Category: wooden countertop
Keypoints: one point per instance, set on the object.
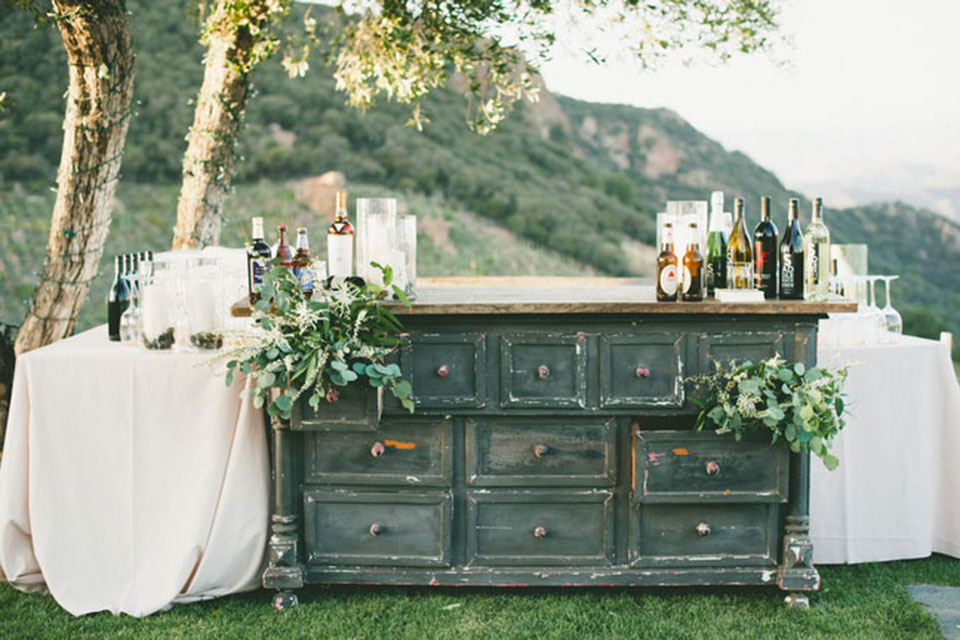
(532, 296)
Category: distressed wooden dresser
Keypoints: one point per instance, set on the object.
(552, 445)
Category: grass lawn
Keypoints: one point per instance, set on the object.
(860, 601)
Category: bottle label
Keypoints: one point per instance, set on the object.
(668, 279)
(257, 269)
(812, 263)
(786, 274)
(687, 279)
(340, 255)
(740, 275)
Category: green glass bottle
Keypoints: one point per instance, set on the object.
(715, 262)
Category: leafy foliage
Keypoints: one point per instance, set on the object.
(802, 407)
(313, 347)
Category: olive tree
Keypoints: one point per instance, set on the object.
(401, 50)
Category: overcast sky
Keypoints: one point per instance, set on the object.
(873, 87)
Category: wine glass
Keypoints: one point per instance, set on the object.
(877, 323)
(891, 315)
(131, 317)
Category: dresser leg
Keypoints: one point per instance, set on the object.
(285, 600)
(796, 571)
(797, 600)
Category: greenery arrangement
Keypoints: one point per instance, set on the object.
(802, 407)
(314, 346)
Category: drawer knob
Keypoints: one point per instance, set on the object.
(540, 450)
(539, 531)
(713, 468)
(377, 449)
(443, 371)
(376, 529)
(543, 372)
(703, 529)
(642, 372)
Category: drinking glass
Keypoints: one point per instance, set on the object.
(131, 317)
(203, 291)
(376, 236)
(875, 321)
(407, 245)
(891, 315)
(159, 302)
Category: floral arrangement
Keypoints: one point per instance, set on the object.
(803, 407)
(313, 346)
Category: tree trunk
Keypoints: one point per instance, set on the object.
(96, 37)
(208, 161)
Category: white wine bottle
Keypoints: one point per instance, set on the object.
(816, 254)
(739, 252)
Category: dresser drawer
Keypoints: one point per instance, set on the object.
(738, 347)
(543, 370)
(641, 369)
(704, 534)
(690, 466)
(540, 452)
(403, 451)
(539, 528)
(387, 529)
(446, 370)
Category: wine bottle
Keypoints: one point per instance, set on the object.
(258, 261)
(118, 298)
(765, 240)
(283, 252)
(301, 263)
(791, 255)
(340, 241)
(667, 268)
(715, 263)
(739, 254)
(693, 270)
(816, 253)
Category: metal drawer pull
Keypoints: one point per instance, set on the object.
(703, 529)
(443, 371)
(377, 449)
(376, 529)
(543, 372)
(540, 531)
(540, 450)
(713, 468)
(642, 372)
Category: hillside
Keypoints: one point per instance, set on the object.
(583, 179)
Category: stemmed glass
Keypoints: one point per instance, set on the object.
(131, 318)
(891, 315)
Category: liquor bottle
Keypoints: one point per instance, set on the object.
(791, 255)
(340, 241)
(739, 254)
(284, 252)
(667, 268)
(765, 238)
(118, 298)
(693, 270)
(816, 253)
(258, 261)
(301, 263)
(715, 263)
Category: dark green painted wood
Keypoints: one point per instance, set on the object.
(392, 529)
(447, 370)
(539, 528)
(727, 347)
(543, 370)
(714, 534)
(358, 408)
(641, 369)
(678, 466)
(540, 452)
(408, 452)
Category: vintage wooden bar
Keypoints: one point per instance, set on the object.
(552, 445)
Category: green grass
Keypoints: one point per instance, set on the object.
(861, 601)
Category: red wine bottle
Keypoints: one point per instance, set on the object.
(118, 298)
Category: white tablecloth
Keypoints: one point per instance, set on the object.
(130, 479)
(896, 494)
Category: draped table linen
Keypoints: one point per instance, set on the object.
(896, 494)
(130, 479)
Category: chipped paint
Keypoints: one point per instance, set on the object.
(680, 451)
(401, 446)
(654, 457)
(767, 576)
(413, 479)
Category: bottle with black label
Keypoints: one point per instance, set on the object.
(667, 268)
(693, 284)
(118, 298)
(765, 239)
(791, 255)
(715, 262)
(258, 261)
